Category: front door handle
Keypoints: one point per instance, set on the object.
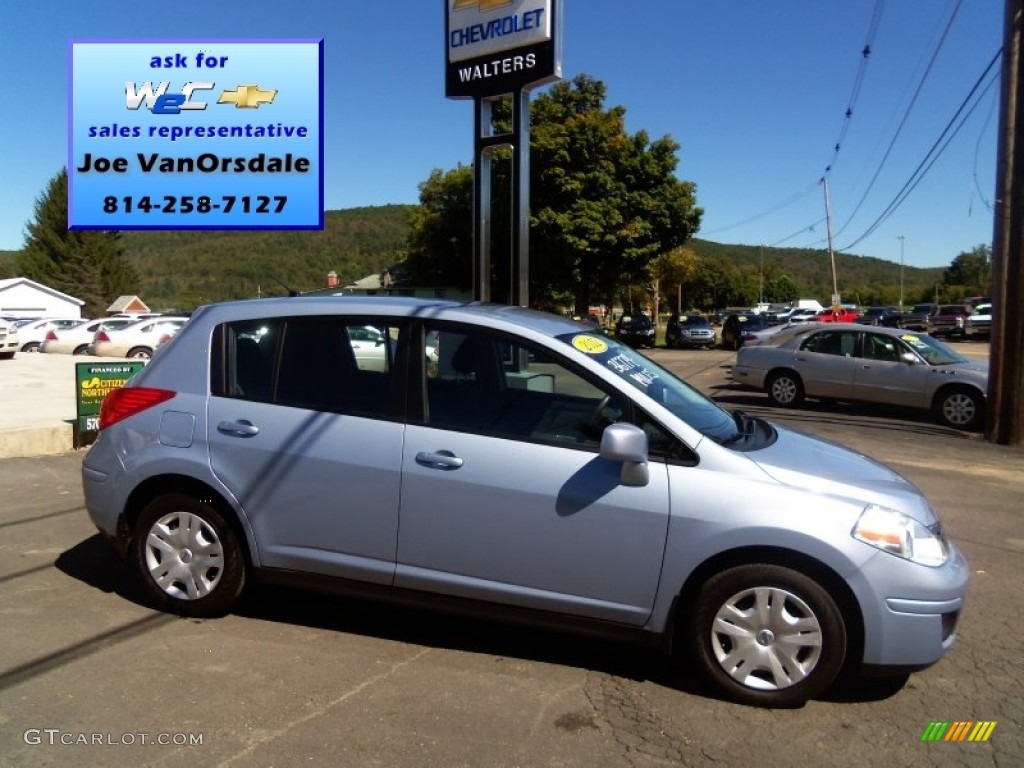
(240, 428)
(439, 459)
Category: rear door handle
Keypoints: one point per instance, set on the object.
(439, 459)
(240, 428)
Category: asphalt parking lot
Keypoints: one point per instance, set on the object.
(296, 678)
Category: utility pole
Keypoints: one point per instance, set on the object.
(901, 238)
(831, 253)
(1005, 420)
(760, 289)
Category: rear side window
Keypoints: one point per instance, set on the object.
(318, 363)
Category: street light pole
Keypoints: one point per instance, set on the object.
(901, 238)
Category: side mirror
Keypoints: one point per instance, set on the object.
(909, 358)
(627, 443)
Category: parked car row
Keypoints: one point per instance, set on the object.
(136, 336)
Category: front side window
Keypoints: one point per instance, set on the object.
(485, 383)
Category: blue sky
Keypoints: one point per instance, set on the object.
(754, 92)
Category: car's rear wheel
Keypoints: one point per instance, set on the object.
(32, 346)
(785, 388)
(767, 635)
(140, 353)
(81, 349)
(188, 556)
(960, 408)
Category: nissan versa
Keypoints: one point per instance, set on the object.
(527, 468)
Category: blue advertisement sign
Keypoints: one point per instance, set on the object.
(195, 134)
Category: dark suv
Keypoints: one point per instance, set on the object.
(887, 317)
(635, 330)
(689, 331)
(738, 324)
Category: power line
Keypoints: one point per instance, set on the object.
(936, 150)
(858, 81)
(906, 116)
(876, 18)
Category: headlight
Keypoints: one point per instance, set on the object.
(900, 535)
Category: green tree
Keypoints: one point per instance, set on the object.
(86, 264)
(441, 230)
(970, 273)
(670, 271)
(781, 289)
(603, 203)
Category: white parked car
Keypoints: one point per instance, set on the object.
(31, 335)
(137, 340)
(8, 339)
(76, 339)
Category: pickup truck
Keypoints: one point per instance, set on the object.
(948, 320)
(979, 323)
(917, 318)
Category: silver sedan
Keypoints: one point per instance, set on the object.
(844, 361)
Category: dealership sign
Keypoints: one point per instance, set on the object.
(495, 47)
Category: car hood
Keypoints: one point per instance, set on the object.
(805, 461)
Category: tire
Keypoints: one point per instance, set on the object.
(785, 388)
(81, 349)
(140, 353)
(32, 346)
(188, 557)
(960, 408)
(767, 635)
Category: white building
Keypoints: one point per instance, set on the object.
(21, 297)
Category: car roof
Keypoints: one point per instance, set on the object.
(401, 306)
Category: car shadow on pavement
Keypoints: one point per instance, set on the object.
(96, 563)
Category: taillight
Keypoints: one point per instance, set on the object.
(51, 336)
(123, 402)
(101, 336)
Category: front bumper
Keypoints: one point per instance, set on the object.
(911, 612)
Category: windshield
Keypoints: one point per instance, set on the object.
(645, 375)
(932, 350)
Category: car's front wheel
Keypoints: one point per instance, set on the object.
(140, 353)
(785, 388)
(960, 408)
(188, 556)
(767, 635)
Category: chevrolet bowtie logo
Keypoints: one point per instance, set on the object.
(247, 97)
(485, 5)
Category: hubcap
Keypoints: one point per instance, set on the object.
(184, 555)
(958, 409)
(766, 638)
(784, 390)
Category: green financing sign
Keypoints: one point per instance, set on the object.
(92, 383)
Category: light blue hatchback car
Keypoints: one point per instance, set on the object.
(518, 465)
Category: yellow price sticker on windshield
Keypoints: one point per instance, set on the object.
(591, 345)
